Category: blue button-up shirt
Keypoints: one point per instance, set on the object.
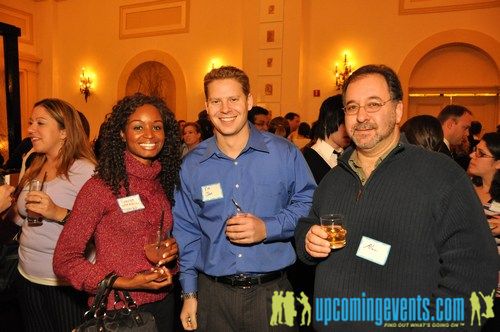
(269, 179)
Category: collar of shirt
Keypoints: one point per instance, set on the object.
(326, 151)
(447, 143)
(256, 141)
(356, 165)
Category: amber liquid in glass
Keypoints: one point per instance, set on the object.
(336, 236)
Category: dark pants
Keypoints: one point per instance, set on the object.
(223, 307)
(163, 312)
(50, 308)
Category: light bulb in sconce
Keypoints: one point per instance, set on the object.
(342, 74)
(85, 84)
(214, 63)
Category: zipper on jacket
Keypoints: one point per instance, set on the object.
(343, 163)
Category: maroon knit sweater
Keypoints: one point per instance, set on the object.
(119, 237)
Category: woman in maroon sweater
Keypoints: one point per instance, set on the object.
(122, 205)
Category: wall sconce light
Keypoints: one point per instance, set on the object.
(342, 75)
(214, 63)
(85, 84)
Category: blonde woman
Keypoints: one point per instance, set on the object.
(64, 162)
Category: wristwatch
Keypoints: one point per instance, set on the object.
(190, 295)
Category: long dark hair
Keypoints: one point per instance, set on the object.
(111, 164)
(424, 131)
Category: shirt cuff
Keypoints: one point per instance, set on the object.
(189, 283)
(273, 229)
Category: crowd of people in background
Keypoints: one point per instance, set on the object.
(233, 191)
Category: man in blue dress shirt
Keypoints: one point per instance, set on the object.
(241, 195)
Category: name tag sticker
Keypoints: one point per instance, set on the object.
(373, 250)
(211, 192)
(130, 203)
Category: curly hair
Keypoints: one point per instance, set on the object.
(111, 164)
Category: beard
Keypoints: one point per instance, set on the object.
(376, 133)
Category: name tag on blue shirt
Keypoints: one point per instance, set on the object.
(373, 250)
(211, 192)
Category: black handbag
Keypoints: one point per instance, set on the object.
(128, 318)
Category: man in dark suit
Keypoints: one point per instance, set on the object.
(455, 121)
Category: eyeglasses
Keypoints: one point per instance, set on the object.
(480, 154)
(370, 107)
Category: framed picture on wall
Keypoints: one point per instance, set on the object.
(421, 7)
(269, 89)
(271, 10)
(271, 35)
(270, 62)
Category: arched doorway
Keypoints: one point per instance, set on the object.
(158, 73)
(153, 78)
(458, 66)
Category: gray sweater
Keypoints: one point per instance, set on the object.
(423, 205)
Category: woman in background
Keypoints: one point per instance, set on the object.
(129, 199)
(191, 134)
(485, 164)
(65, 161)
(424, 131)
(279, 126)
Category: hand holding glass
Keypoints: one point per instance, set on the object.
(333, 225)
(34, 219)
(157, 245)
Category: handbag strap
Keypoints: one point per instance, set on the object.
(126, 298)
(98, 307)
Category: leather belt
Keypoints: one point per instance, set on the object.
(245, 280)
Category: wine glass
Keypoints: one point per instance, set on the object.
(34, 218)
(157, 244)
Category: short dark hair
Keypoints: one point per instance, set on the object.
(390, 76)
(452, 111)
(331, 116)
(475, 128)
(256, 110)
(291, 115)
(304, 129)
(227, 72)
(492, 141)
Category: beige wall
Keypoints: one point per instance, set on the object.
(74, 33)
(374, 32)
